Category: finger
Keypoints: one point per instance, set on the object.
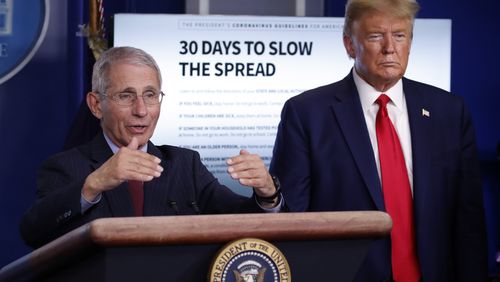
(141, 177)
(249, 168)
(144, 164)
(242, 158)
(144, 172)
(141, 174)
(134, 144)
(255, 177)
(140, 156)
(257, 183)
(239, 158)
(128, 164)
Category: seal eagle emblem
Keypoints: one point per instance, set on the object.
(249, 260)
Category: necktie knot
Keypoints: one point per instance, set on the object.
(382, 101)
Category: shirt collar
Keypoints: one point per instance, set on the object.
(368, 94)
(115, 148)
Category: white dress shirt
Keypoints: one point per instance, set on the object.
(398, 113)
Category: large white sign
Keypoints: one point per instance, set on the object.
(226, 77)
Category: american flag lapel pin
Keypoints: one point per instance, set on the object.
(426, 113)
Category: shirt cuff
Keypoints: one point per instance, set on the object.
(86, 204)
(275, 209)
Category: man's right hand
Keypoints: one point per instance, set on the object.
(128, 163)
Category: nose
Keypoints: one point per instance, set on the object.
(139, 108)
(388, 47)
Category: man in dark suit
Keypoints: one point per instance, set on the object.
(121, 173)
(327, 153)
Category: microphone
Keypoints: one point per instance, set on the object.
(194, 204)
(173, 204)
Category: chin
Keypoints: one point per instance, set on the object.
(392, 75)
(142, 140)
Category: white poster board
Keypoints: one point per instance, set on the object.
(226, 77)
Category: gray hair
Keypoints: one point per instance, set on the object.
(129, 55)
(355, 9)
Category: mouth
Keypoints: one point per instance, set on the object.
(137, 129)
(389, 64)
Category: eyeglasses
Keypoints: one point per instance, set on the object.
(128, 98)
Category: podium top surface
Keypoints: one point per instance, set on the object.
(205, 229)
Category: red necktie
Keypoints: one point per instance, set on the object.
(137, 195)
(397, 197)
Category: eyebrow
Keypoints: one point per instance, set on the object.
(149, 87)
(132, 89)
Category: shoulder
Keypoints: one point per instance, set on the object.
(446, 108)
(318, 94)
(64, 166)
(431, 93)
(71, 155)
(89, 152)
(325, 95)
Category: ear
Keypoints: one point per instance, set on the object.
(349, 46)
(94, 104)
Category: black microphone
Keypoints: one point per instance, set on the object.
(195, 207)
(173, 204)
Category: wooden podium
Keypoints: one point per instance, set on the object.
(319, 246)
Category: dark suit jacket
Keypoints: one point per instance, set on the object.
(185, 181)
(324, 160)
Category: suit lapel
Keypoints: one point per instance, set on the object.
(420, 118)
(156, 191)
(119, 200)
(348, 111)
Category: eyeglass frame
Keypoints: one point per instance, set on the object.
(114, 98)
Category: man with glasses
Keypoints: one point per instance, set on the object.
(121, 173)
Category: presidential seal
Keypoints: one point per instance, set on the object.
(23, 25)
(249, 260)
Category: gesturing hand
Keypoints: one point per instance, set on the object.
(250, 170)
(128, 163)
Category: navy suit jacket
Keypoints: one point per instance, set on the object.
(325, 162)
(185, 181)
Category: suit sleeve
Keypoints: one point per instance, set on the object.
(290, 162)
(57, 208)
(470, 242)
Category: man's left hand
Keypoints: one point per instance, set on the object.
(250, 170)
